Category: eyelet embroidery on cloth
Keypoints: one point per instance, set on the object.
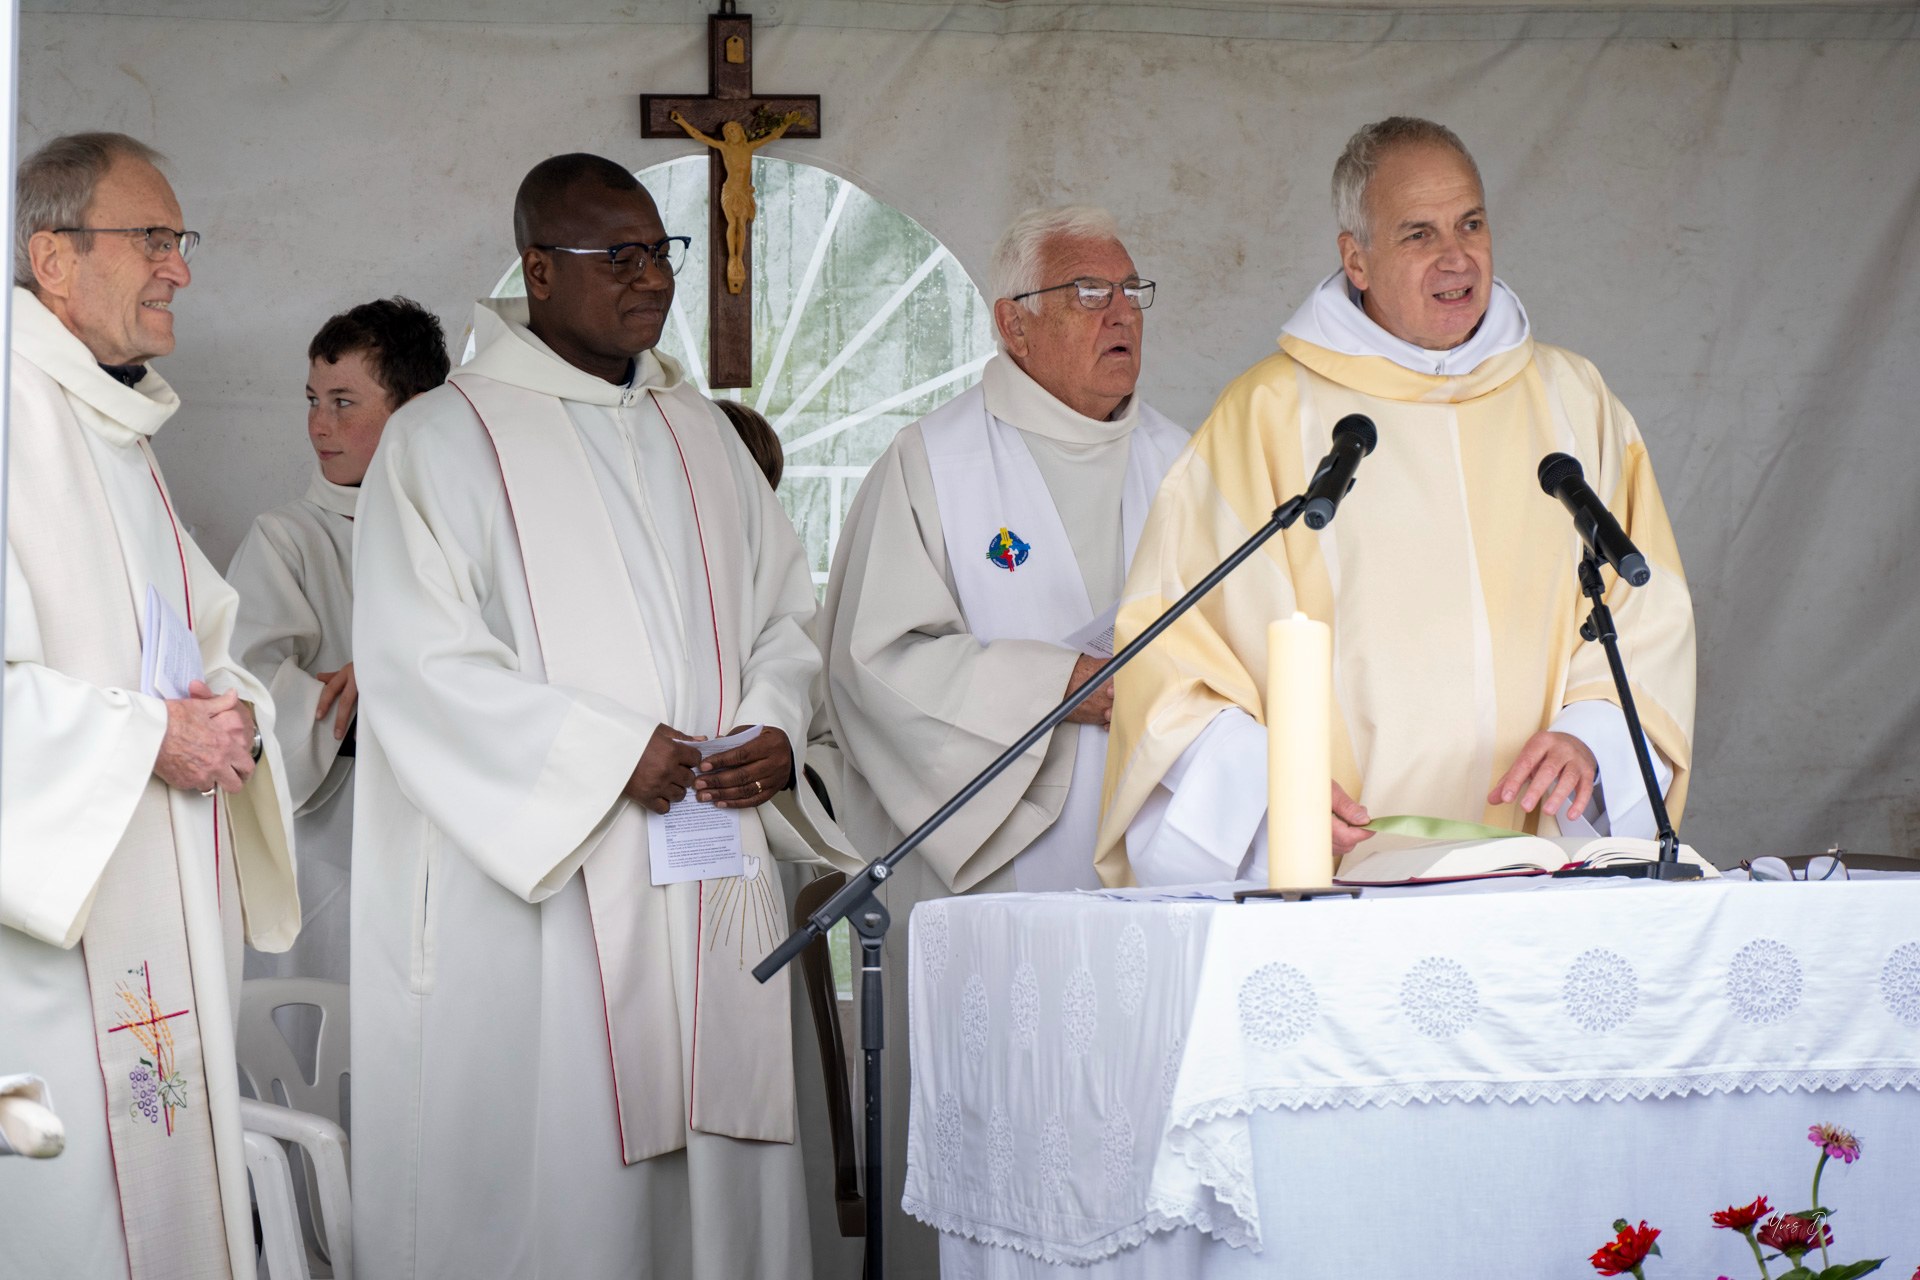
(1170, 1068)
(973, 1019)
(1056, 1159)
(1079, 1014)
(946, 1137)
(1900, 983)
(1179, 919)
(999, 1152)
(1130, 967)
(1116, 1152)
(1025, 1002)
(1764, 982)
(1439, 997)
(1601, 990)
(1277, 1005)
(933, 928)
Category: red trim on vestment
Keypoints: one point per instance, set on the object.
(606, 1012)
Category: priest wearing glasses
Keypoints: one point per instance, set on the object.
(985, 540)
(568, 571)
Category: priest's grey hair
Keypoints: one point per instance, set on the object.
(1366, 149)
(55, 186)
(1017, 258)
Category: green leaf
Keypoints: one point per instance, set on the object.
(1654, 1249)
(1798, 1273)
(1851, 1270)
(1621, 1224)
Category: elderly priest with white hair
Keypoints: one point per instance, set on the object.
(987, 536)
(146, 828)
(1462, 688)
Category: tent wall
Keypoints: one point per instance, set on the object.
(1717, 207)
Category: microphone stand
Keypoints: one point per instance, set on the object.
(868, 916)
(1599, 626)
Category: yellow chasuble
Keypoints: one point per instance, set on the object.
(1448, 580)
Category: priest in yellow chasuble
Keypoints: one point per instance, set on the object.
(1462, 688)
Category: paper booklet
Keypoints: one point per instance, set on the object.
(1392, 859)
(695, 841)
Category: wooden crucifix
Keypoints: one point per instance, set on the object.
(732, 123)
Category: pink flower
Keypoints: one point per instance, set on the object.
(1835, 1142)
(1740, 1217)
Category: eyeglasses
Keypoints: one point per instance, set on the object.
(161, 241)
(1097, 295)
(1825, 867)
(629, 261)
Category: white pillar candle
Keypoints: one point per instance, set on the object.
(1299, 755)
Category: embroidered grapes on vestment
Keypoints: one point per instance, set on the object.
(973, 1019)
(1130, 967)
(1024, 1001)
(1277, 1005)
(1079, 1015)
(1439, 997)
(1764, 982)
(1601, 990)
(1900, 983)
(1116, 1152)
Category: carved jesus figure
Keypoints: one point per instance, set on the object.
(736, 193)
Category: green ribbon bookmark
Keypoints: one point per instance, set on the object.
(1407, 824)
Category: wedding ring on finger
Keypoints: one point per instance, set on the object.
(756, 786)
(209, 791)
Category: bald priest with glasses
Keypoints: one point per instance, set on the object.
(987, 537)
(569, 572)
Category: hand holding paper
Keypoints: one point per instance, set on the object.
(209, 742)
(696, 839)
(665, 770)
(746, 768)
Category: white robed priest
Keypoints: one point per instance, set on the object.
(145, 830)
(567, 567)
(294, 573)
(985, 545)
(1463, 690)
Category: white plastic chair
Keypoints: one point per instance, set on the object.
(289, 1106)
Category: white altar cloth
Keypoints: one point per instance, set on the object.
(1126, 1083)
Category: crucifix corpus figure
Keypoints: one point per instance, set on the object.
(736, 147)
(732, 122)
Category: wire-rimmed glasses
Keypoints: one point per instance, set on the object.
(629, 261)
(160, 241)
(1096, 294)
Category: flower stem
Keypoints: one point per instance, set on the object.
(1757, 1255)
(1817, 1222)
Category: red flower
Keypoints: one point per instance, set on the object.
(1740, 1217)
(1626, 1251)
(1794, 1236)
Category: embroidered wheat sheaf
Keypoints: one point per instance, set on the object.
(1764, 982)
(973, 1019)
(1439, 997)
(1056, 1159)
(1024, 1004)
(1277, 1005)
(999, 1152)
(1116, 1153)
(946, 1136)
(1130, 967)
(933, 933)
(1079, 1015)
(1900, 983)
(1601, 990)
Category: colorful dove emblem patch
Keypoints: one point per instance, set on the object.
(1007, 551)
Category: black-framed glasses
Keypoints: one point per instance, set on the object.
(161, 241)
(629, 261)
(1097, 295)
(1826, 866)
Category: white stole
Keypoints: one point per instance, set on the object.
(986, 481)
(592, 636)
(146, 1012)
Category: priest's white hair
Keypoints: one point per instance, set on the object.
(55, 184)
(1017, 258)
(1366, 149)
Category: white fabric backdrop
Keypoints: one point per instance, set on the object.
(1716, 205)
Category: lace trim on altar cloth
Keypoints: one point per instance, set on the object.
(1227, 1208)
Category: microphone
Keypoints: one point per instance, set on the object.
(1353, 439)
(1561, 477)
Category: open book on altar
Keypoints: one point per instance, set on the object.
(1397, 859)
